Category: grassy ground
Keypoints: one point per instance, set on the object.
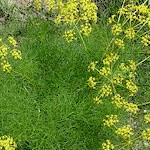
(52, 107)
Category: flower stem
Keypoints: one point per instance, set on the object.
(142, 61)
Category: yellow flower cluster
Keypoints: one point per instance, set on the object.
(92, 66)
(132, 87)
(116, 29)
(6, 66)
(105, 90)
(135, 12)
(119, 43)
(111, 19)
(3, 51)
(125, 132)
(118, 100)
(130, 107)
(16, 54)
(117, 79)
(123, 77)
(86, 29)
(37, 4)
(110, 120)
(12, 41)
(147, 118)
(97, 100)
(79, 13)
(146, 134)
(105, 71)
(112, 57)
(91, 82)
(121, 103)
(6, 52)
(107, 145)
(146, 40)
(69, 36)
(7, 143)
(129, 33)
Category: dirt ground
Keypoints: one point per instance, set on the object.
(20, 2)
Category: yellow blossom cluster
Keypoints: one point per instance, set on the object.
(105, 90)
(116, 29)
(129, 33)
(119, 43)
(110, 58)
(125, 132)
(105, 71)
(118, 78)
(131, 87)
(107, 145)
(8, 51)
(124, 77)
(139, 13)
(79, 13)
(91, 82)
(7, 143)
(97, 100)
(69, 36)
(145, 40)
(146, 134)
(110, 120)
(147, 118)
(120, 102)
(129, 20)
(92, 66)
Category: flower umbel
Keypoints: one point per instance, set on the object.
(110, 120)
(7, 143)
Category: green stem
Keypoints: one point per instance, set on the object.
(142, 61)
(81, 37)
(146, 103)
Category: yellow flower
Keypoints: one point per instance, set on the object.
(146, 134)
(86, 29)
(111, 19)
(69, 36)
(112, 57)
(16, 54)
(110, 120)
(7, 143)
(91, 82)
(116, 29)
(132, 87)
(123, 67)
(118, 100)
(12, 41)
(92, 66)
(146, 40)
(130, 33)
(105, 90)
(37, 4)
(3, 51)
(130, 107)
(117, 79)
(119, 43)
(97, 100)
(105, 71)
(107, 145)
(6, 66)
(125, 132)
(132, 65)
(147, 118)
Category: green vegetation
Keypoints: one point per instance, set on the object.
(45, 102)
